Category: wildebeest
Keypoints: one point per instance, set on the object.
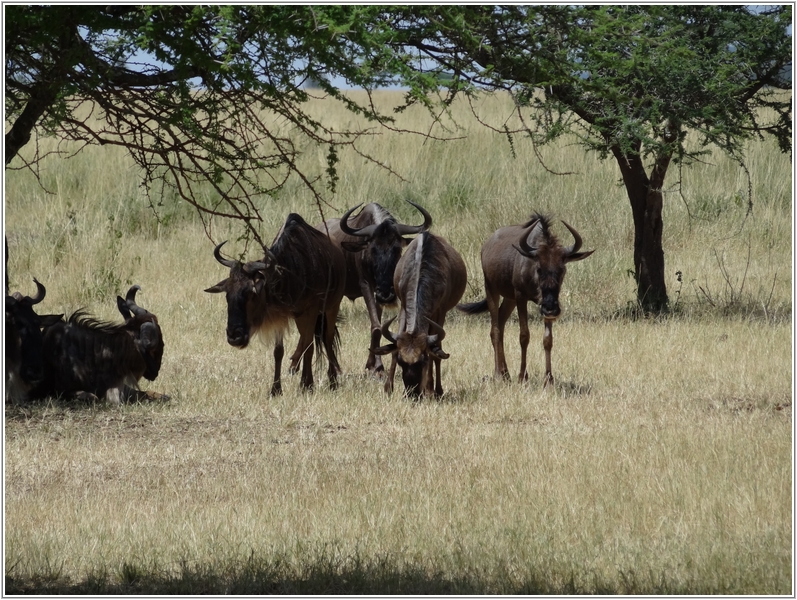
(85, 356)
(430, 279)
(523, 263)
(24, 361)
(302, 278)
(373, 241)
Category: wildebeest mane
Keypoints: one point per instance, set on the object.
(299, 269)
(82, 319)
(543, 236)
(430, 277)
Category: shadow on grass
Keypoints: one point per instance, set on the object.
(332, 576)
(69, 405)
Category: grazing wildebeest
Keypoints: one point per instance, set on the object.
(430, 279)
(532, 270)
(373, 241)
(302, 278)
(87, 357)
(24, 361)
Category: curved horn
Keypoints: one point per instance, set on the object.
(255, 266)
(523, 242)
(40, 292)
(577, 240)
(347, 229)
(225, 261)
(386, 331)
(409, 229)
(130, 300)
(438, 335)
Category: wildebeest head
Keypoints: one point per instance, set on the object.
(24, 336)
(143, 326)
(381, 244)
(539, 244)
(243, 288)
(414, 352)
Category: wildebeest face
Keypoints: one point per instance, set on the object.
(380, 259)
(414, 361)
(549, 280)
(23, 334)
(381, 251)
(414, 353)
(548, 269)
(150, 345)
(243, 289)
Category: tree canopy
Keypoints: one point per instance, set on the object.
(629, 81)
(221, 104)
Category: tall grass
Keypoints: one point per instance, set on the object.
(659, 463)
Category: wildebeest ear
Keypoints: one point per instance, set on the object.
(49, 320)
(405, 242)
(216, 289)
(382, 350)
(121, 304)
(354, 246)
(578, 256)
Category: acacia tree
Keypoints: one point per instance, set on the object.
(219, 103)
(629, 82)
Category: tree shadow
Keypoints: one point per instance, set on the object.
(328, 575)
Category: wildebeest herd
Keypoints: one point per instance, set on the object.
(303, 278)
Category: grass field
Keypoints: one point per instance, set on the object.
(660, 463)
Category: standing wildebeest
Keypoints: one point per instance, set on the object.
(430, 279)
(373, 241)
(87, 357)
(24, 362)
(302, 277)
(532, 270)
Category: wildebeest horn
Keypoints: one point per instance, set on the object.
(348, 229)
(40, 292)
(438, 335)
(524, 248)
(225, 261)
(576, 244)
(409, 229)
(130, 300)
(386, 331)
(131, 295)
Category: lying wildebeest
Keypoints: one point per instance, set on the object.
(532, 270)
(24, 361)
(84, 356)
(373, 241)
(430, 279)
(302, 277)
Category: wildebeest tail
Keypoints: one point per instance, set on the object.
(473, 308)
(320, 325)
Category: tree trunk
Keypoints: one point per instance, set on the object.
(646, 204)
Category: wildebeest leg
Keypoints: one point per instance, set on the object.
(438, 388)
(114, 396)
(374, 363)
(305, 323)
(295, 357)
(391, 374)
(547, 344)
(279, 352)
(523, 318)
(330, 328)
(498, 318)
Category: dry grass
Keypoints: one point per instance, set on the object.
(660, 463)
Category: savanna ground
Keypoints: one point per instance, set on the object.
(661, 461)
